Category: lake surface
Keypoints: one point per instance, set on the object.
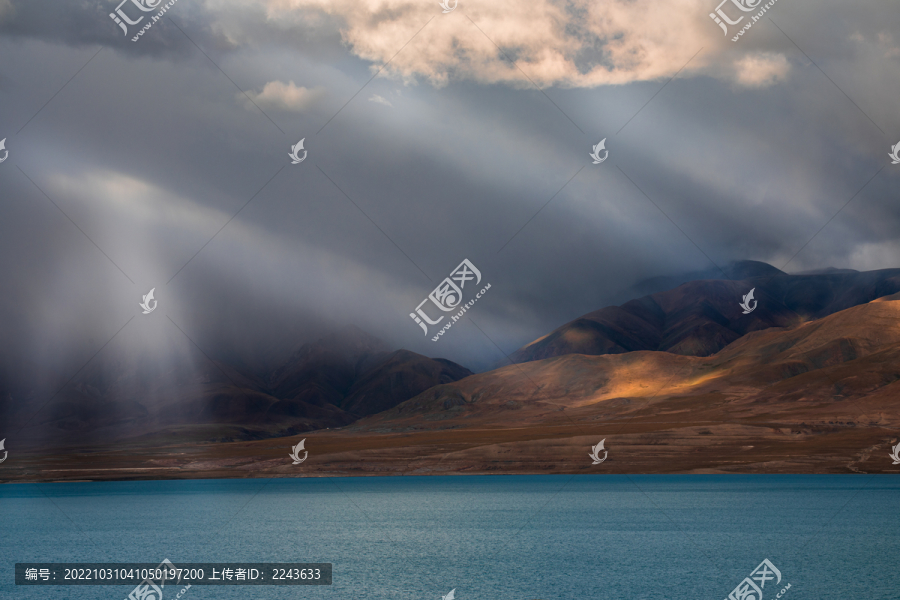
(491, 538)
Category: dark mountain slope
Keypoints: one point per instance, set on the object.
(403, 375)
(699, 318)
(325, 384)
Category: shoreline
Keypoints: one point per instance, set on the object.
(640, 448)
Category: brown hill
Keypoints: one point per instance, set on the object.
(700, 318)
(846, 364)
(818, 396)
(822, 397)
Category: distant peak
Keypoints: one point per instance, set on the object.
(746, 269)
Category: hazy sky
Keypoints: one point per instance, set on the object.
(127, 158)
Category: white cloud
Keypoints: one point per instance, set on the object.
(380, 100)
(761, 70)
(581, 43)
(285, 96)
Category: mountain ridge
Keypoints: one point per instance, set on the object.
(816, 396)
(699, 318)
(768, 370)
(327, 383)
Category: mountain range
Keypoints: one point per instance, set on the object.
(679, 380)
(701, 317)
(328, 383)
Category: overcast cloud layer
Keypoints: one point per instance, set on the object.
(127, 158)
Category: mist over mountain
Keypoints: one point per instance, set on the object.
(689, 347)
(324, 384)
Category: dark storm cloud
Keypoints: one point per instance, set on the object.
(86, 23)
(150, 150)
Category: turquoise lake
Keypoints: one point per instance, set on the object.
(490, 537)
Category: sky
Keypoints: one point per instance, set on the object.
(431, 137)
